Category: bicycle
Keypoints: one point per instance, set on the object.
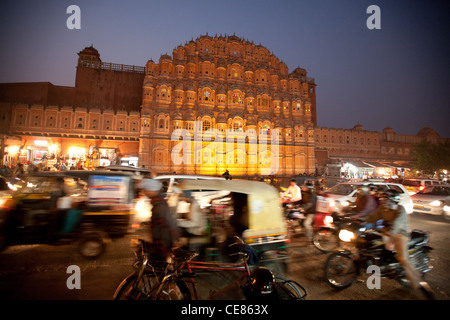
(169, 280)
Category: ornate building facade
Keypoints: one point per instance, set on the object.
(217, 103)
(221, 86)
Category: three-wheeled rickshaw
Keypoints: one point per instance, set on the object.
(250, 210)
(86, 208)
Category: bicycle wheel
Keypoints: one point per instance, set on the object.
(325, 240)
(142, 291)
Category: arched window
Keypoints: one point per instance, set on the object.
(265, 128)
(237, 98)
(161, 123)
(264, 102)
(238, 125)
(206, 125)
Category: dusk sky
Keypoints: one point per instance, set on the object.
(397, 76)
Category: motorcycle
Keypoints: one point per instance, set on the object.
(366, 247)
(295, 217)
(326, 237)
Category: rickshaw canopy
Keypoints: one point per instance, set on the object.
(265, 214)
(104, 187)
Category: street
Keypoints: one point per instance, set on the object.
(40, 271)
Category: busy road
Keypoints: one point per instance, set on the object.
(41, 271)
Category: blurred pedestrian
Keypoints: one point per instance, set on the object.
(309, 202)
(226, 175)
(164, 232)
(19, 170)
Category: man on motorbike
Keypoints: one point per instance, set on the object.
(397, 229)
(365, 203)
(294, 193)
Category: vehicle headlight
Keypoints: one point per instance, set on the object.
(13, 187)
(345, 203)
(447, 208)
(436, 203)
(328, 219)
(335, 204)
(346, 235)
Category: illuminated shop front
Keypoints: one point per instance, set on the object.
(62, 154)
(354, 169)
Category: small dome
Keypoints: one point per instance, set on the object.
(189, 115)
(427, 132)
(359, 127)
(388, 130)
(89, 53)
(165, 57)
(221, 118)
(177, 115)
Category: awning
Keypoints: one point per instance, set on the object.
(395, 165)
(391, 165)
(377, 164)
(358, 164)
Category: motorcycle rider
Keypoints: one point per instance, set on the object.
(365, 203)
(397, 229)
(294, 192)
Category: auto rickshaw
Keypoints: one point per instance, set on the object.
(251, 210)
(88, 208)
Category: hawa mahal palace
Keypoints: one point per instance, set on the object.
(233, 105)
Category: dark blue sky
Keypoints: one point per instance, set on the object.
(398, 76)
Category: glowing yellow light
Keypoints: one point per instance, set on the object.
(40, 143)
(13, 149)
(75, 151)
(52, 148)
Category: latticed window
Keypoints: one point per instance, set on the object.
(237, 99)
(237, 125)
(206, 125)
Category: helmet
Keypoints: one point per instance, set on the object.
(392, 195)
(261, 284)
(364, 189)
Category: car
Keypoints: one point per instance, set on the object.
(202, 196)
(6, 190)
(172, 179)
(343, 194)
(415, 185)
(434, 199)
(169, 183)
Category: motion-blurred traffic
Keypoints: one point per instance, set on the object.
(91, 208)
